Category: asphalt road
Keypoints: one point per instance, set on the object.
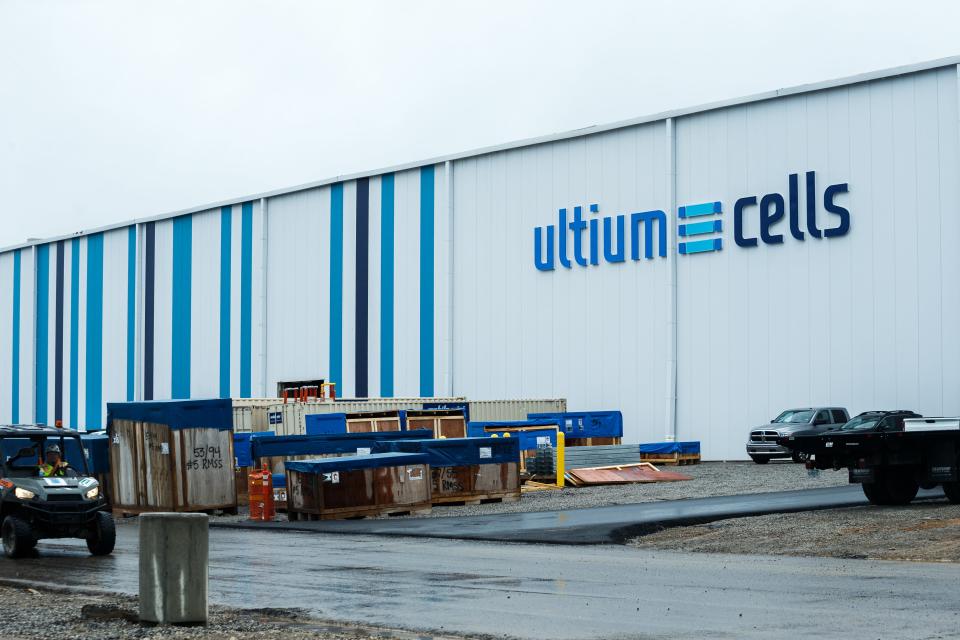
(540, 591)
(596, 525)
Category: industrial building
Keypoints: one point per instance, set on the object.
(700, 270)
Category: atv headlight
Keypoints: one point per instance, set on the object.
(93, 493)
(23, 494)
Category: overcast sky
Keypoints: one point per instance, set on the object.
(114, 110)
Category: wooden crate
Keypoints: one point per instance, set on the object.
(173, 466)
(393, 483)
(373, 422)
(476, 483)
(671, 458)
(443, 422)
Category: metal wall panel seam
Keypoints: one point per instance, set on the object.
(448, 179)
(427, 276)
(246, 297)
(15, 347)
(181, 307)
(336, 285)
(226, 217)
(93, 406)
(387, 252)
(264, 266)
(671, 141)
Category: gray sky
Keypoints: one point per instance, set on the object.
(112, 110)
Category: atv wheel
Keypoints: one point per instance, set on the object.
(103, 535)
(18, 537)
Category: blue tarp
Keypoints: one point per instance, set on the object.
(338, 443)
(671, 447)
(463, 406)
(98, 452)
(177, 414)
(325, 423)
(531, 438)
(243, 449)
(586, 424)
(352, 463)
(279, 480)
(457, 452)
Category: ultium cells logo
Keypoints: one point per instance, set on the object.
(699, 236)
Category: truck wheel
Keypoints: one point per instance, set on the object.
(103, 535)
(760, 459)
(952, 491)
(875, 493)
(892, 488)
(798, 457)
(18, 537)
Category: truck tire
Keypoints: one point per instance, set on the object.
(952, 491)
(799, 458)
(18, 539)
(760, 459)
(892, 487)
(103, 535)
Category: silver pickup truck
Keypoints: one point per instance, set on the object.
(762, 446)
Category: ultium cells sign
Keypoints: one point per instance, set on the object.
(700, 227)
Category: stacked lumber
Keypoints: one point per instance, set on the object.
(640, 472)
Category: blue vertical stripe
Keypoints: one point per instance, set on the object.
(362, 281)
(336, 286)
(15, 351)
(149, 293)
(386, 285)
(42, 333)
(426, 280)
(131, 309)
(226, 235)
(182, 294)
(74, 331)
(94, 353)
(246, 297)
(58, 339)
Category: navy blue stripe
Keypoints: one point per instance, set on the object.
(149, 266)
(94, 354)
(226, 241)
(181, 307)
(363, 282)
(15, 350)
(131, 310)
(58, 341)
(246, 297)
(43, 334)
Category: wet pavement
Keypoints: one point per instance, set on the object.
(538, 591)
(598, 525)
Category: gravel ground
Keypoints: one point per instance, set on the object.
(31, 614)
(708, 479)
(927, 531)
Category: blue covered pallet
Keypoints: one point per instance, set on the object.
(677, 452)
(337, 444)
(468, 470)
(243, 446)
(530, 433)
(586, 424)
(333, 423)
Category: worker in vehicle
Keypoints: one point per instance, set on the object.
(53, 466)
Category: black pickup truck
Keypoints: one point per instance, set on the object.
(892, 454)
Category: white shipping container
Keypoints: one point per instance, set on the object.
(502, 410)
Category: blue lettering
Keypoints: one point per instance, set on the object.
(768, 219)
(543, 265)
(647, 218)
(812, 204)
(608, 254)
(577, 227)
(836, 209)
(795, 208)
(562, 232)
(738, 208)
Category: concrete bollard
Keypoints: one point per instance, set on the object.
(174, 551)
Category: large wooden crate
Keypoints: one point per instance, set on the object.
(445, 423)
(172, 456)
(467, 470)
(358, 486)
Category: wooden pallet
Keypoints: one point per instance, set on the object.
(676, 458)
(591, 442)
(352, 514)
(475, 499)
(129, 512)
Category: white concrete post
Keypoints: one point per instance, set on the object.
(174, 552)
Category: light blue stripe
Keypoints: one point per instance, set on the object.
(699, 228)
(701, 246)
(336, 286)
(131, 310)
(43, 332)
(705, 209)
(15, 358)
(74, 330)
(181, 305)
(93, 405)
(386, 285)
(226, 235)
(426, 280)
(246, 297)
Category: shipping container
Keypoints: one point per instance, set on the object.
(358, 486)
(174, 455)
(501, 410)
